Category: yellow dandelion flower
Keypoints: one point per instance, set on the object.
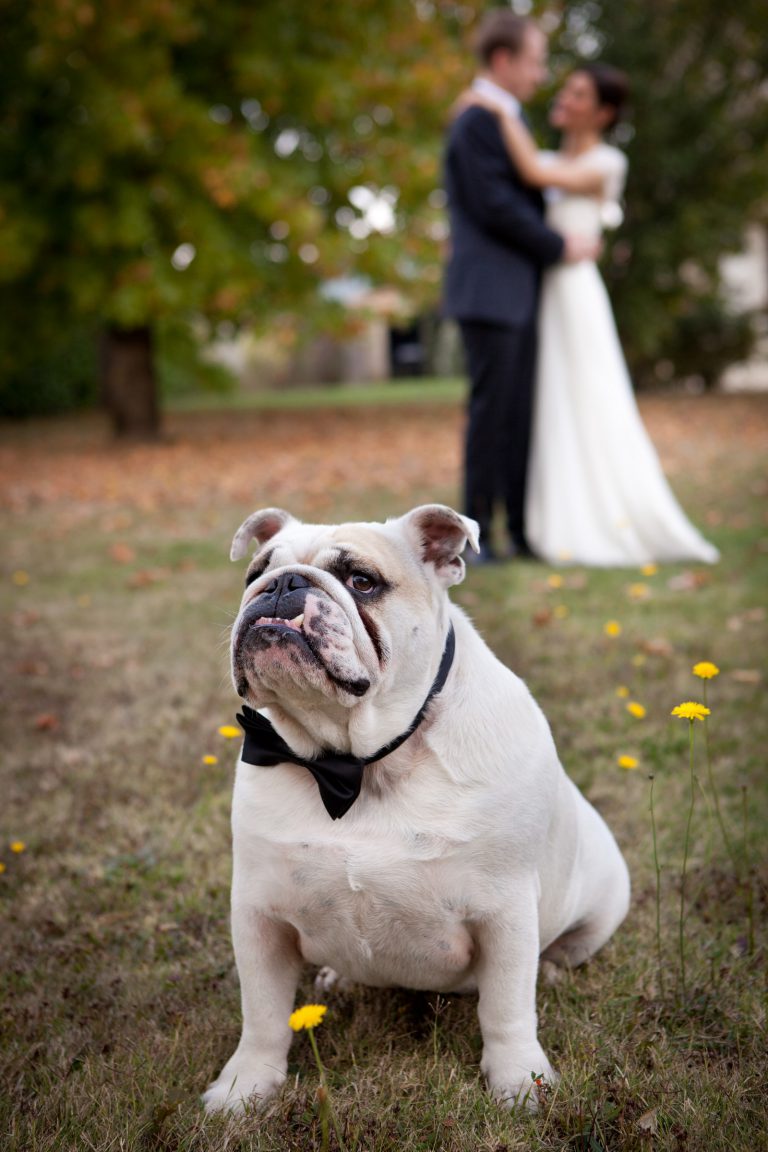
(690, 710)
(20, 578)
(210, 759)
(622, 691)
(560, 611)
(638, 591)
(649, 569)
(628, 762)
(307, 1017)
(636, 710)
(705, 670)
(17, 846)
(612, 628)
(229, 731)
(555, 581)
(2, 867)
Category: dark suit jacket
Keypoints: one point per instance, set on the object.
(499, 241)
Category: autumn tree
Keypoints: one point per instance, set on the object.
(186, 157)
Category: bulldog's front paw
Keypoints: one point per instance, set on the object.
(521, 1080)
(245, 1081)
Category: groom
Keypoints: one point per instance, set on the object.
(499, 246)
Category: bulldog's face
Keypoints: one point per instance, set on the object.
(335, 610)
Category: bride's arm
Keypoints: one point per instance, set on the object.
(526, 156)
(545, 173)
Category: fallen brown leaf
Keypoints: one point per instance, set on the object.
(658, 646)
(688, 581)
(46, 722)
(746, 675)
(122, 553)
(751, 616)
(25, 619)
(576, 581)
(148, 576)
(649, 1121)
(31, 668)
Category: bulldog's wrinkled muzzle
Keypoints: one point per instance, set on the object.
(294, 624)
(283, 598)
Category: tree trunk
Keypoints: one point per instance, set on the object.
(129, 385)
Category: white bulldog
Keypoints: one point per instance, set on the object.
(460, 851)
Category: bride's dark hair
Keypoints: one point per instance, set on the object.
(611, 86)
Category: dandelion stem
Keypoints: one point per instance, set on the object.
(686, 846)
(747, 875)
(658, 894)
(437, 1008)
(713, 790)
(326, 1110)
(322, 1093)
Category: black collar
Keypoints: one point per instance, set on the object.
(339, 775)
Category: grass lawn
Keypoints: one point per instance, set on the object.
(388, 393)
(120, 999)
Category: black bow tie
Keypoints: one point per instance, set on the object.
(339, 775)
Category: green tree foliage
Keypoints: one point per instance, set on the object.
(180, 157)
(698, 153)
(171, 159)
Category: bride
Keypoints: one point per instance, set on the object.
(596, 493)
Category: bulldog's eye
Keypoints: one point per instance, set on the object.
(359, 582)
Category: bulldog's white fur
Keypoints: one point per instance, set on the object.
(469, 852)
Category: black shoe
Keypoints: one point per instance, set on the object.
(486, 555)
(520, 549)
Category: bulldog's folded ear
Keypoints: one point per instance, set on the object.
(440, 536)
(260, 526)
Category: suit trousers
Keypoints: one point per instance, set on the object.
(501, 363)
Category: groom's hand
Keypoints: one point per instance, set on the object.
(580, 248)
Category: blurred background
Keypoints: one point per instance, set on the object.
(232, 198)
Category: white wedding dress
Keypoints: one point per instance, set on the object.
(596, 493)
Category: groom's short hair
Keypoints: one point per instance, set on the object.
(500, 28)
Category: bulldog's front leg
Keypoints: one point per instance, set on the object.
(506, 978)
(268, 964)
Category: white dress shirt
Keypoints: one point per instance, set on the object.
(506, 101)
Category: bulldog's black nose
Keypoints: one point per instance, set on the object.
(286, 582)
(283, 597)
